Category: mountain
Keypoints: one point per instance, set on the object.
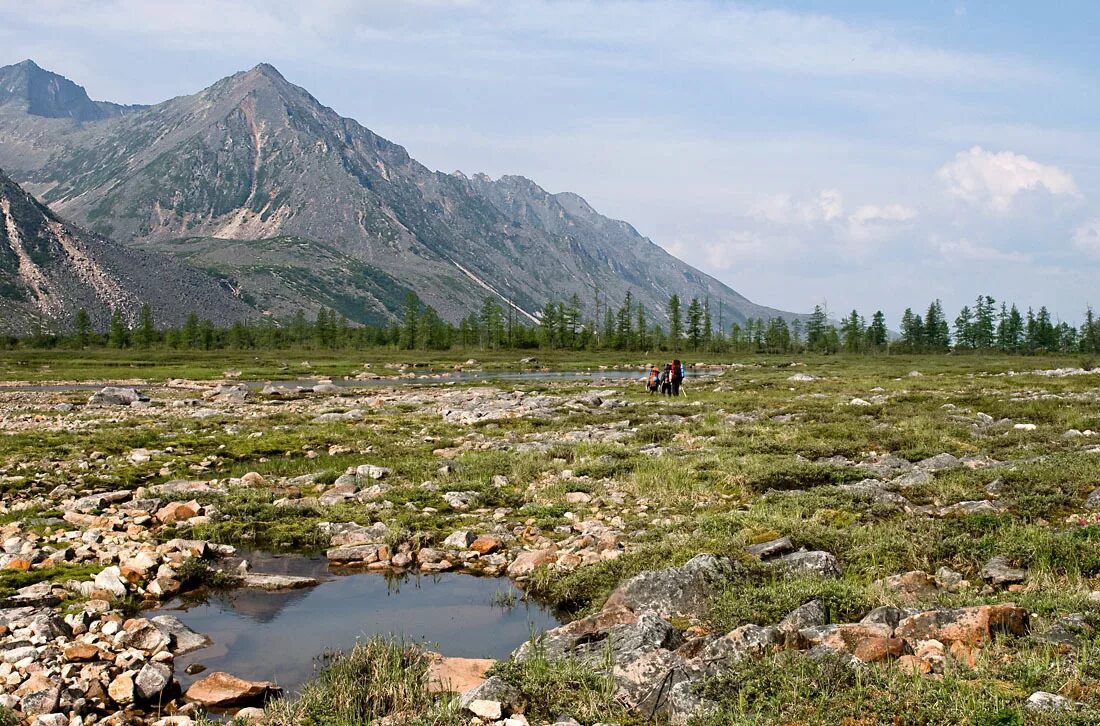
(258, 160)
(49, 95)
(50, 268)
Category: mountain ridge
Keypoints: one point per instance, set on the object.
(49, 269)
(254, 156)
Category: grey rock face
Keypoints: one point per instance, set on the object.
(676, 591)
(998, 571)
(820, 564)
(113, 396)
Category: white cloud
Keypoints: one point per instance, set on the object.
(967, 251)
(890, 213)
(993, 180)
(782, 209)
(1087, 238)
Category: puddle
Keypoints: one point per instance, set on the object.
(275, 636)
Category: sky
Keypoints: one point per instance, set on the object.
(862, 155)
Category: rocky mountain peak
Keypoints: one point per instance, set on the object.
(50, 95)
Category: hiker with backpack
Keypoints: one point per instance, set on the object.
(666, 379)
(676, 377)
(653, 384)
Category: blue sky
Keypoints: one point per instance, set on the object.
(862, 154)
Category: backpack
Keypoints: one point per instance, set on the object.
(677, 370)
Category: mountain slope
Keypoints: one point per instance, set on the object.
(49, 95)
(49, 269)
(256, 157)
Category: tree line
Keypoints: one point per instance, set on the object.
(628, 326)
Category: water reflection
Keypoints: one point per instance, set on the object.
(276, 636)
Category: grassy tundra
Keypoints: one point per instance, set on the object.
(743, 458)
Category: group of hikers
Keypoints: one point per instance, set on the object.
(666, 380)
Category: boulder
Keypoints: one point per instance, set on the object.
(456, 675)
(772, 548)
(492, 690)
(151, 681)
(262, 581)
(182, 638)
(1043, 702)
(459, 540)
(1000, 572)
(528, 561)
(38, 695)
(110, 580)
(683, 591)
(222, 690)
(114, 396)
(819, 564)
(969, 625)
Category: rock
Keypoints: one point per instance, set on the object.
(38, 695)
(485, 709)
(804, 616)
(998, 571)
(369, 471)
(528, 561)
(253, 479)
(113, 396)
(801, 378)
(578, 497)
(262, 581)
(121, 689)
(358, 554)
(683, 591)
(456, 675)
(939, 462)
(222, 690)
(1043, 702)
(486, 544)
(459, 540)
(151, 680)
(949, 579)
(1092, 502)
(182, 638)
(772, 548)
(496, 690)
(143, 635)
(110, 580)
(178, 512)
(970, 625)
(910, 586)
(51, 719)
(460, 501)
(817, 563)
(737, 645)
(859, 402)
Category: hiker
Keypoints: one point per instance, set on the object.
(676, 377)
(666, 380)
(654, 382)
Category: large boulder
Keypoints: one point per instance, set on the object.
(114, 396)
(222, 690)
(683, 591)
(969, 625)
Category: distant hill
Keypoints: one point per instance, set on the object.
(257, 160)
(49, 269)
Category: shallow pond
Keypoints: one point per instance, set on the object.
(276, 636)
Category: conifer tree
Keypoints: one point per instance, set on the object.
(675, 323)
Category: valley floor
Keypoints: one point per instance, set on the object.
(795, 540)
